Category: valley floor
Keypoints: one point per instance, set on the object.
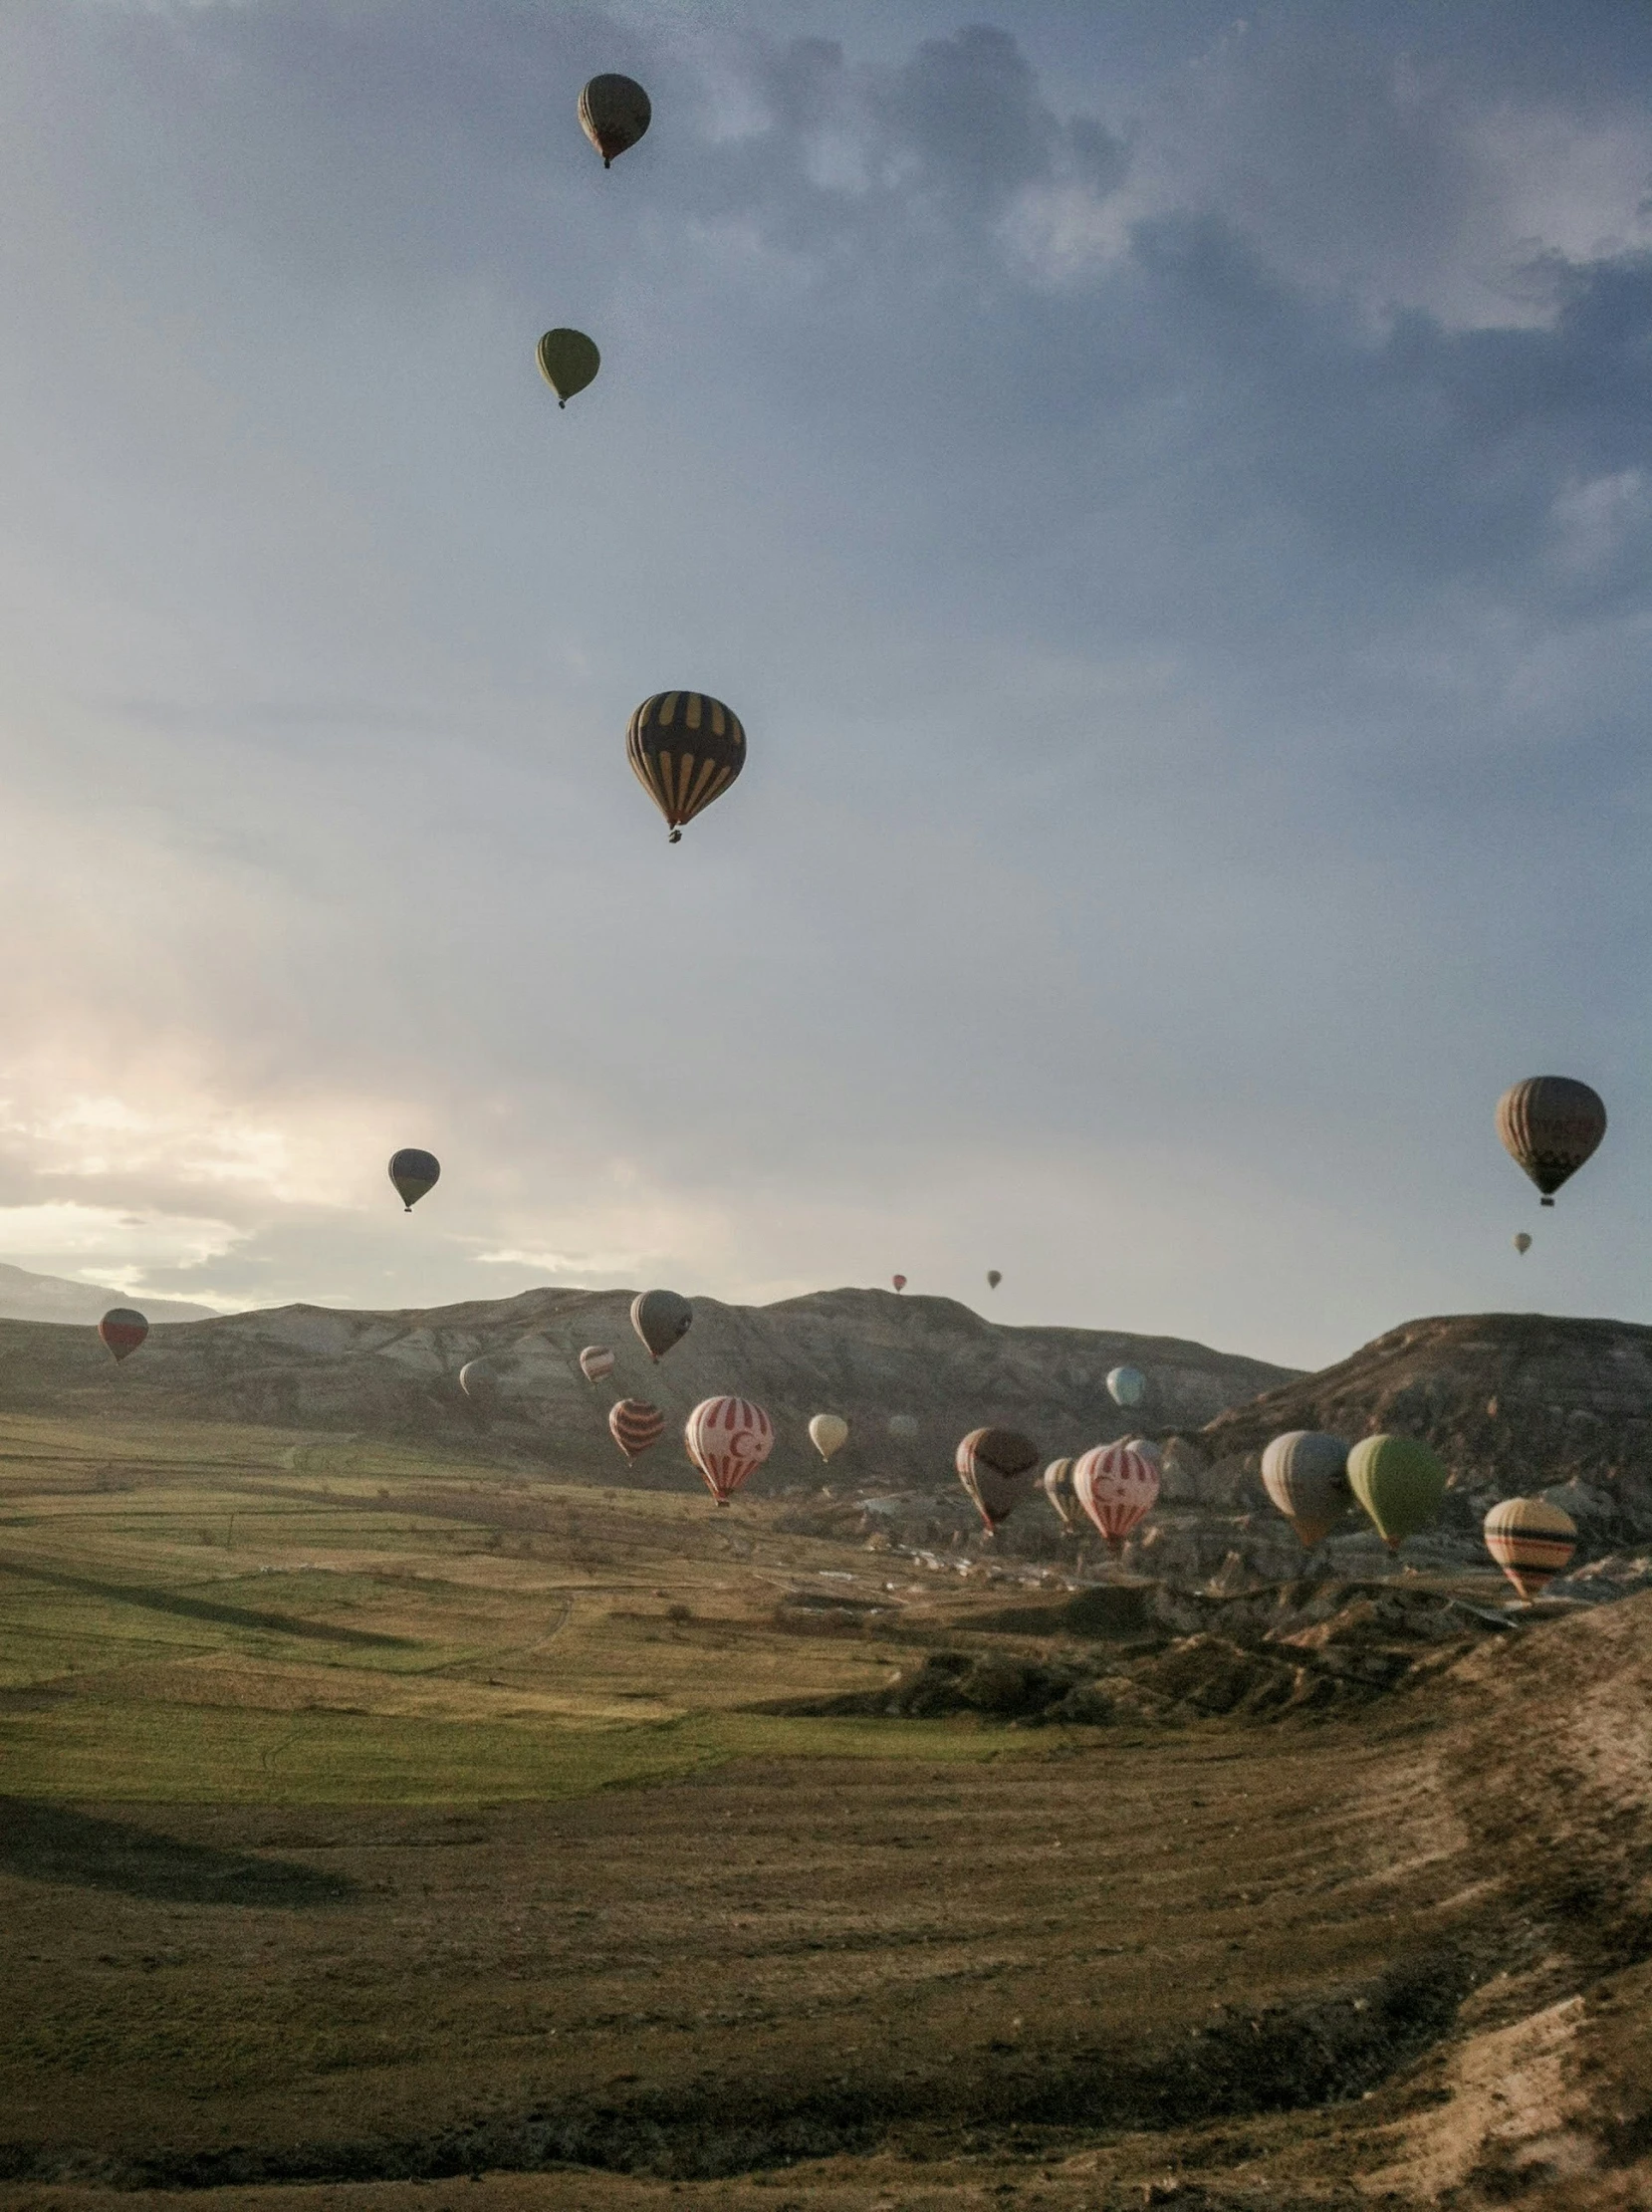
(373, 1824)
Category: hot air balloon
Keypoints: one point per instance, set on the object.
(614, 111)
(686, 750)
(1549, 1125)
(1399, 1482)
(904, 1426)
(899, 1281)
(1058, 1488)
(995, 1465)
(993, 1277)
(636, 1426)
(1531, 1541)
(596, 1361)
(661, 1319)
(1126, 1386)
(568, 360)
(728, 1439)
(829, 1434)
(1116, 1487)
(413, 1173)
(123, 1329)
(1523, 1242)
(1305, 1474)
(479, 1381)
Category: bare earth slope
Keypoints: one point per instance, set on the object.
(866, 1353)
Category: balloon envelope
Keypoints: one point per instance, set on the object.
(1531, 1541)
(899, 1281)
(904, 1426)
(123, 1329)
(1118, 1487)
(661, 1319)
(1549, 1125)
(596, 1361)
(685, 748)
(479, 1381)
(1126, 1386)
(568, 360)
(1523, 1242)
(614, 111)
(829, 1434)
(728, 1439)
(1058, 1488)
(995, 1465)
(1399, 1482)
(636, 1426)
(1305, 1474)
(993, 1277)
(413, 1173)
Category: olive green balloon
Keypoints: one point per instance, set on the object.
(568, 360)
(1399, 1482)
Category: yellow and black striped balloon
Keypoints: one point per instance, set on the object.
(686, 750)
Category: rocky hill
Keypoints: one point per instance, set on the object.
(1514, 1404)
(868, 1355)
(25, 1295)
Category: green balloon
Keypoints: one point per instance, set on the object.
(1399, 1482)
(567, 362)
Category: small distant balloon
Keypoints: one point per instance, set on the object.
(636, 1426)
(1058, 1488)
(1523, 1242)
(829, 1434)
(728, 1439)
(479, 1381)
(899, 1281)
(685, 750)
(1126, 1386)
(614, 111)
(993, 1277)
(123, 1329)
(903, 1427)
(995, 1465)
(1531, 1541)
(568, 360)
(596, 1361)
(1549, 1125)
(413, 1173)
(661, 1319)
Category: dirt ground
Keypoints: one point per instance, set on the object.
(555, 1953)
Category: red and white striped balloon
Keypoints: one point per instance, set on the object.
(596, 1361)
(728, 1439)
(636, 1426)
(1118, 1486)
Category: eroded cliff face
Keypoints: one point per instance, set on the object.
(1514, 1404)
(867, 1355)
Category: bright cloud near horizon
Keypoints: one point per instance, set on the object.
(1169, 495)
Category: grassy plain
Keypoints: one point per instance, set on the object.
(371, 1822)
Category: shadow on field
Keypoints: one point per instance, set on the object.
(51, 1843)
(204, 1609)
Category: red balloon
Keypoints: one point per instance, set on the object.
(636, 1426)
(899, 1281)
(1118, 1486)
(123, 1329)
(728, 1439)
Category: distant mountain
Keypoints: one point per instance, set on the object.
(868, 1355)
(28, 1297)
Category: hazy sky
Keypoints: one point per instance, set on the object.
(1167, 493)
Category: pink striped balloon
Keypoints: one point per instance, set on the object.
(636, 1426)
(1118, 1486)
(728, 1439)
(596, 1361)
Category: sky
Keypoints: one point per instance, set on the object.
(1167, 491)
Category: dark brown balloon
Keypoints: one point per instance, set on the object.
(1549, 1125)
(661, 1319)
(614, 111)
(995, 1465)
(123, 1329)
(686, 749)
